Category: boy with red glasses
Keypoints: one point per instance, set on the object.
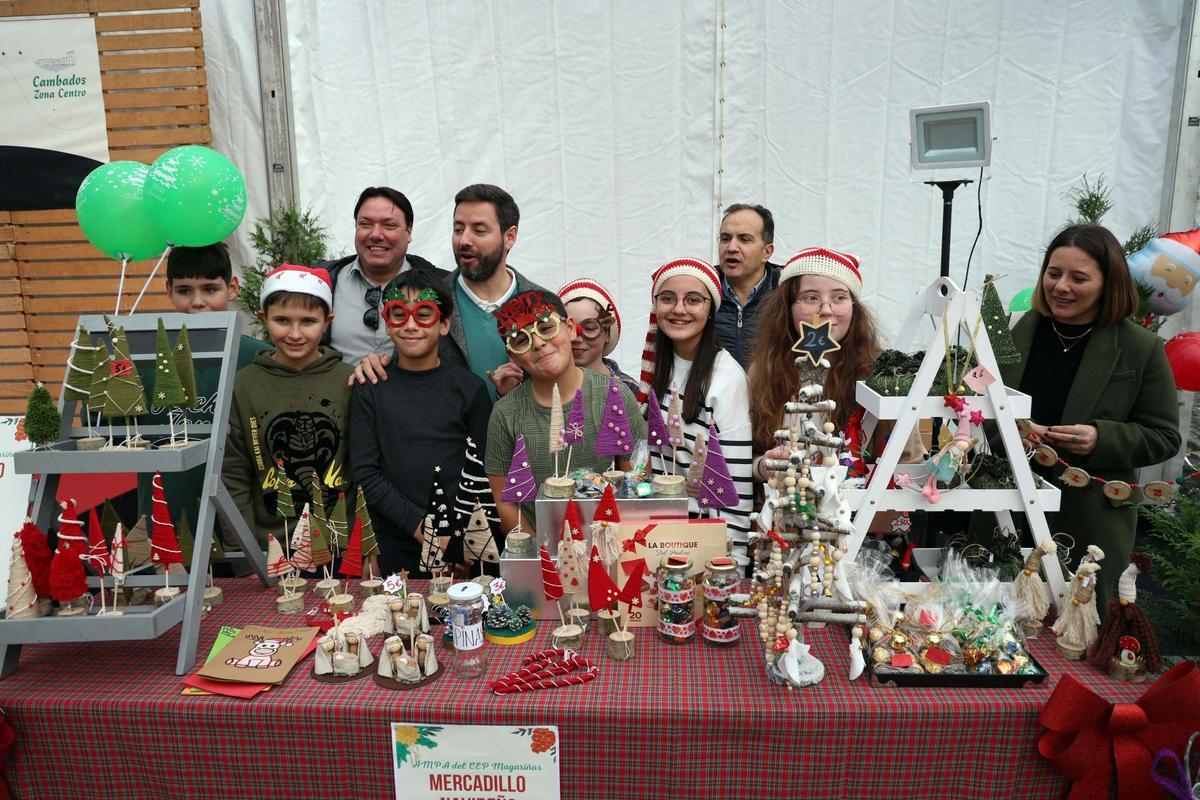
(418, 421)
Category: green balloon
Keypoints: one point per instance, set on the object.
(1022, 300)
(112, 212)
(195, 195)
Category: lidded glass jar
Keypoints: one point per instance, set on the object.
(676, 600)
(719, 626)
(467, 605)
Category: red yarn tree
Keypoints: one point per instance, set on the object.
(67, 579)
(37, 556)
(352, 559)
(164, 547)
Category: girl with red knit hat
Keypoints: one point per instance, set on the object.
(682, 352)
(598, 324)
(826, 285)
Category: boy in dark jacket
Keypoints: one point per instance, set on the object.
(290, 404)
(417, 423)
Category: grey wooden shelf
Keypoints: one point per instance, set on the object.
(63, 458)
(215, 339)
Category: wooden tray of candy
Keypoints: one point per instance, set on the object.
(963, 680)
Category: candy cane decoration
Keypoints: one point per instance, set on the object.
(542, 671)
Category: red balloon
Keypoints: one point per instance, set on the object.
(1183, 351)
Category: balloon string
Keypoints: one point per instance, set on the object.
(146, 285)
(121, 285)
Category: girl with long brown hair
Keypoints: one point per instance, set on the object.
(817, 285)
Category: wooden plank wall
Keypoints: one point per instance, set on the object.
(155, 98)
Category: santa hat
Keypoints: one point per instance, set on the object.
(606, 509)
(574, 522)
(301, 280)
(694, 268)
(842, 267)
(586, 288)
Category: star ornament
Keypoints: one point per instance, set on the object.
(816, 342)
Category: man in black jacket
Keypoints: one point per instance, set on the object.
(383, 220)
(744, 247)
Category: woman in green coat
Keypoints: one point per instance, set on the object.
(1103, 393)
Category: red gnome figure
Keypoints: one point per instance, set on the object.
(1127, 647)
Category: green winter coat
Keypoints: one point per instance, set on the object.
(299, 416)
(1125, 388)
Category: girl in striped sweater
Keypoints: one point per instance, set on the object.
(682, 352)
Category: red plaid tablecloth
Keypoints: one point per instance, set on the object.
(107, 720)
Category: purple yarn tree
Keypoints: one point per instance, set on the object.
(656, 427)
(615, 438)
(518, 485)
(716, 487)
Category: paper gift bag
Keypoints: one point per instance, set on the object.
(259, 654)
(698, 539)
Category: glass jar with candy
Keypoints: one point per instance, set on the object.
(676, 600)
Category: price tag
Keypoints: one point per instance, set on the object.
(979, 379)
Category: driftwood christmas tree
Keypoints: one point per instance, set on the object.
(185, 369)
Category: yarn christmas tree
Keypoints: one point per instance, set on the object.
(68, 582)
(674, 424)
(370, 546)
(717, 489)
(352, 558)
(556, 426)
(137, 545)
(168, 391)
(164, 547)
(696, 468)
(302, 557)
(285, 505)
(435, 526)
(551, 585)
(318, 527)
(125, 396)
(602, 592)
(995, 320)
(656, 426)
(21, 600)
(615, 438)
(98, 388)
(108, 521)
(185, 368)
(97, 555)
(479, 544)
(518, 485)
(81, 363)
(572, 434)
(339, 525)
(277, 564)
(571, 563)
(37, 556)
(42, 420)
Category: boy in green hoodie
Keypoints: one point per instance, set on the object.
(291, 404)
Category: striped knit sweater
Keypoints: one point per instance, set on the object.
(727, 406)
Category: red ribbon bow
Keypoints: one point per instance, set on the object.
(1088, 735)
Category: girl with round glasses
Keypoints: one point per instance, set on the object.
(682, 351)
(598, 326)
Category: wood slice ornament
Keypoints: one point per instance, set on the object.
(1118, 490)
(1159, 492)
(1076, 477)
(1045, 455)
(213, 596)
(291, 585)
(289, 603)
(559, 486)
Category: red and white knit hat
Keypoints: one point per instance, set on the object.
(692, 267)
(586, 288)
(842, 267)
(302, 280)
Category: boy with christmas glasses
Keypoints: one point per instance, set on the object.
(291, 404)
(537, 334)
(418, 423)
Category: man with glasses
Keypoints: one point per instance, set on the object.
(745, 245)
(383, 220)
(485, 230)
(404, 430)
(537, 334)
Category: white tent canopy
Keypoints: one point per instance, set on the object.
(622, 128)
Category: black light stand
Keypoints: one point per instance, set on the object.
(947, 188)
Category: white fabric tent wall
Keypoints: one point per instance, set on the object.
(622, 128)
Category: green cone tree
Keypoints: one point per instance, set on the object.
(81, 363)
(43, 423)
(185, 368)
(98, 389)
(125, 396)
(995, 320)
(168, 391)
